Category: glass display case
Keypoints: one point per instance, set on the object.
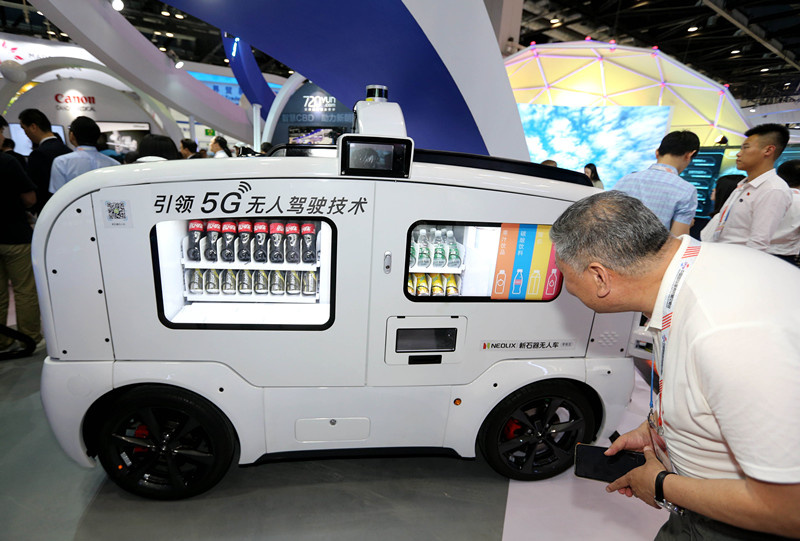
(464, 261)
(244, 272)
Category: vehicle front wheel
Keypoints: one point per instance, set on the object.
(165, 443)
(532, 433)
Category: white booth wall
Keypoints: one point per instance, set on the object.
(61, 100)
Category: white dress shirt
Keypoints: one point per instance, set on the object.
(69, 166)
(752, 213)
(787, 238)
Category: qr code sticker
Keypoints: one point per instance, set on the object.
(116, 210)
(117, 213)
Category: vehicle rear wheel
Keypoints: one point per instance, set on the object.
(532, 433)
(165, 443)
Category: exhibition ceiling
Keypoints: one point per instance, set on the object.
(752, 46)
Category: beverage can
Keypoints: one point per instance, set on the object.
(213, 229)
(422, 285)
(310, 283)
(244, 281)
(437, 285)
(261, 234)
(277, 282)
(211, 278)
(292, 231)
(293, 282)
(228, 282)
(196, 281)
(261, 285)
(245, 230)
(412, 284)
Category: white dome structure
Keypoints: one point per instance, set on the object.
(591, 73)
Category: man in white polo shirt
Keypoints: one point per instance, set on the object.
(727, 348)
(754, 210)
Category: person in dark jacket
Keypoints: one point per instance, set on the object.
(47, 147)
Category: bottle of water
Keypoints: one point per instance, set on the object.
(423, 249)
(453, 257)
(439, 254)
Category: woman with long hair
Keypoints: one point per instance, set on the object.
(591, 171)
(219, 146)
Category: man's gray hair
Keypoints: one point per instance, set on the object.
(611, 228)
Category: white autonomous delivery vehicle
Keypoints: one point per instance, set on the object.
(201, 311)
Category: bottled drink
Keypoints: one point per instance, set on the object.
(276, 242)
(439, 256)
(260, 231)
(213, 229)
(211, 279)
(309, 232)
(412, 255)
(422, 285)
(196, 281)
(195, 232)
(244, 281)
(453, 257)
(228, 249)
(277, 282)
(228, 282)
(310, 283)
(423, 249)
(293, 243)
(261, 286)
(437, 285)
(293, 282)
(245, 235)
(451, 285)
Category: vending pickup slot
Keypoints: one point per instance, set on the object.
(424, 359)
(431, 339)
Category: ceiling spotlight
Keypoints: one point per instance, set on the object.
(692, 29)
(786, 84)
(764, 69)
(118, 5)
(226, 61)
(157, 33)
(170, 35)
(752, 109)
(291, 72)
(179, 16)
(51, 32)
(65, 35)
(174, 57)
(162, 49)
(735, 51)
(165, 13)
(554, 20)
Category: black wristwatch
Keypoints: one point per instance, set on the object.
(659, 493)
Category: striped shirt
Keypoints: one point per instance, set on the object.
(661, 190)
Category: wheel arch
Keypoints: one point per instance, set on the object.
(583, 388)
(95, 415)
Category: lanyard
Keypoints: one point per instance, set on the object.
(688, 258)
(726, 210)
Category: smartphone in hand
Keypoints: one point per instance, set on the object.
(591, 463)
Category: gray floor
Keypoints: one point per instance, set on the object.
(45, 496)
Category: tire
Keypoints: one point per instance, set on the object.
(532, 433)
(165, 443)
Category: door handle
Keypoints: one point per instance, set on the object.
(387, 262)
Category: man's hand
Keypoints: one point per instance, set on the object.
(641, 481)
(635, 440)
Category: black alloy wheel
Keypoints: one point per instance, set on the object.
(165, 443)
(532, 433)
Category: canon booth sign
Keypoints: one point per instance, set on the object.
(74, 102)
